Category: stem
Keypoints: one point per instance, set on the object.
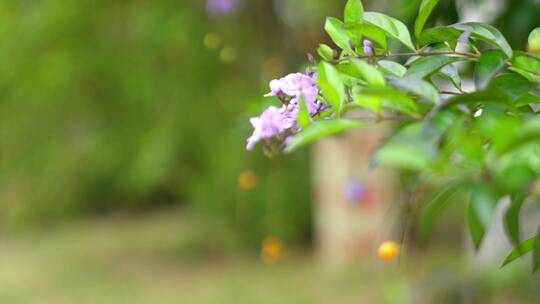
(410, 54)
(385, 118)
(451, 93)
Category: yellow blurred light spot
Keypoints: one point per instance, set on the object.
(388, 251)
(212, 41)
(247, 180)
(273, 250)
(227, 54)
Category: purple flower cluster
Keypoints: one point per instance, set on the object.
(368, 48)
(295, 85)
(221, 7)
(281, 122)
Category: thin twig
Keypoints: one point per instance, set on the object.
(385, 118)
(451, 93)
(410, 54)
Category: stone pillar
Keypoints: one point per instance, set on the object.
(352, 200)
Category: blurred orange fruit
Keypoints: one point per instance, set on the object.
(273, 250)
(247, 180)
(388, 251)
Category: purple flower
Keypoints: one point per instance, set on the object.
(355, 191)
(296, 85)
(282, 122)
(272, 122)
(368, 48)
(221, 7)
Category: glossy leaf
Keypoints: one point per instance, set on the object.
(321, 129)
(336, 30)
(368, 73)
(530, 76)
(426, 7)
(526, 65)
(528, 133)
(481, 207)
(524, 248)
(402, 156)
(536, 252)
(433, 209)
(376, 98)
(512, 218)
(417, 87)
(440, 34)
(450, 72)
(487, 33)
(428, 65)
(489, 64)
(527, 99)
(391, 67)
(509, 87)
(393, 27)
(354, 12)
(331, 85)
(359, 32)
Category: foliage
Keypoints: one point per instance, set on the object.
(482, 144)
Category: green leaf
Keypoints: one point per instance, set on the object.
(529, 133)
(450, 72)
(521, 250)
(481, 208)
(433, 209)
(536, 252)
(418, 87)
(402, 156)
(321, 129)
(512, 218)
(358, 32)
(487, 33)
(428, 65)
(528, 63)
(534, 41)
(354, 12)
(303, 115)
(391, 67)
(530, 76)
(440, 34)
(393, 27)
(509, 87)
(490, 63)
(332, 86)
(350, 75)
(527, 99)
(375, 98)
(336, 30)
(426, 7)
(368, 72)
(326, 52)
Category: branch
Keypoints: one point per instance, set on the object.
(410, 54)
(385, 118)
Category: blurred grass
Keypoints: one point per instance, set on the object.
(180, 257)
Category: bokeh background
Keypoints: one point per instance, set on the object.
(123, 171)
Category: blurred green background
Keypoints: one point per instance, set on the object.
(123, 162)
